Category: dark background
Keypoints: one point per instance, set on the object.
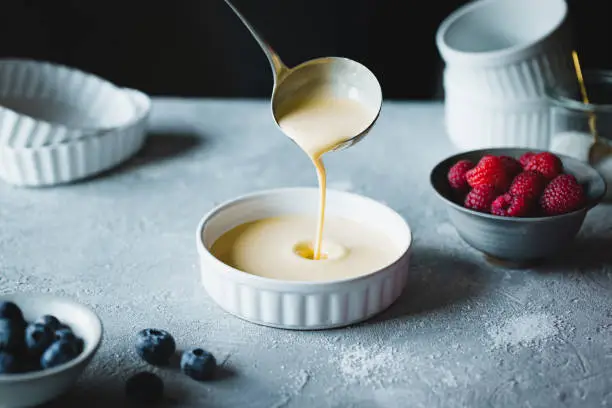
(199, 48)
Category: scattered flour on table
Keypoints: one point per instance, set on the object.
(294, 384)
(369, 365)
(525, 330)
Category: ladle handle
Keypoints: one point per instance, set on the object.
(277, 65)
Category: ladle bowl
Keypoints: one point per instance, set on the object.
(344, 77)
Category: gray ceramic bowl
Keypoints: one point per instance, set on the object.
(517, 240)
(38, 387)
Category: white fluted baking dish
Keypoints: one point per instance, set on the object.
(43, 103)
(523, 80)
(294, 304)
(475, 123)
(72, 160)
(511, 49)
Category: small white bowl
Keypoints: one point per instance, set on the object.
(295, 304)
(43, 103)
(35, 388)
(508, 48)
(524, 80)
(473, 123)
(76, 159)
(497, 32)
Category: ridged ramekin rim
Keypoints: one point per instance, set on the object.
(88, 131)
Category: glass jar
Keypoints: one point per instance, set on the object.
(573, 122)
(571, 119)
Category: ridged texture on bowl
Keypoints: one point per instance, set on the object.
(76, 159)
(474, 125)
(44, 103)
(312, 306)
(525, 79)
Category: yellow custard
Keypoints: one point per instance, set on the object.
(271, 247)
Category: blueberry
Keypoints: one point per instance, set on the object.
(59, 352)
(145, 388)
(10, 311)
(67, 334)
(198, 364)
(155, 346)
(51, 322)
(64, 326)
(8, 363)
(11, 335)
(38, 338)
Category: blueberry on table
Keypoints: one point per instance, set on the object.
(155, 346)
(60, 352)
(8, 363)
(38, 338)
(198, 364)
(11, 335)
(145, 388)
(51, 322)
(10, 311)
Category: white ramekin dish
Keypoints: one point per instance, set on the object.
(35, 388)
(76, 159)
(43, 103)
(525, 80)
(508, 48)
(294, 304)
(473, 123)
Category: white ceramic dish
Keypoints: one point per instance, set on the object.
(43, 103)
(497, 32)
(473, 123)
(524, 80)
(507, 48)
(35, 388)
(77, 159)
(302, 305)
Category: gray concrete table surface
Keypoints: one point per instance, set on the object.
(464, 334)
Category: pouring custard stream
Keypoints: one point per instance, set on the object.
(318, 123)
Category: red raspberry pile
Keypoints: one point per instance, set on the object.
(533, 185)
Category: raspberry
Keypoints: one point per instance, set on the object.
(526, 158)
(508, 205)
(480, 198)
(562, 195)
(547, 164)
(491, 171)
(513, 167)
(456, 175)
(528, 183)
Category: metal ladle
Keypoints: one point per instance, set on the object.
(346, 79)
